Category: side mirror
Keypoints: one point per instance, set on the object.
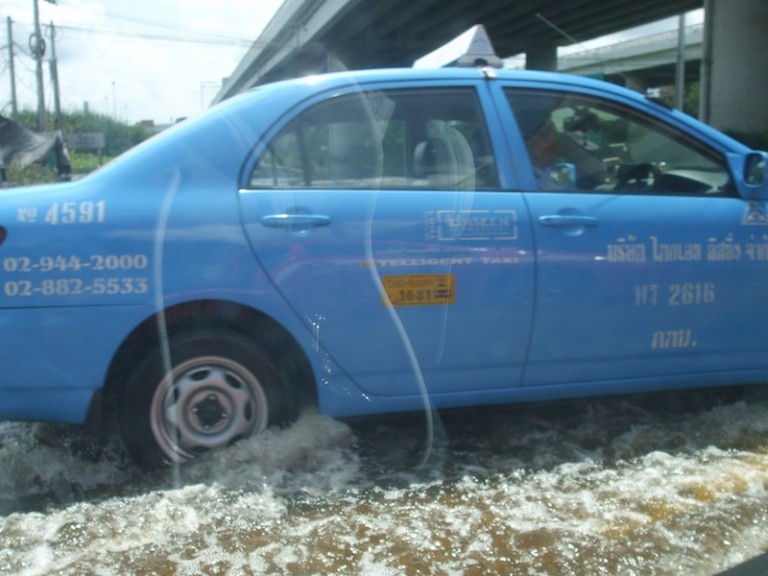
(754, 169)
(749, 171)
(562, 174)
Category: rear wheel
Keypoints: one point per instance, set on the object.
(212, 390)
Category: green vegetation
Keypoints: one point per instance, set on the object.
(118, 137)
(33, 174)
(45, 172)
(84, 162)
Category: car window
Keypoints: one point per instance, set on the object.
(396, 139)
(580, 142)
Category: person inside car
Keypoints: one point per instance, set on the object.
(558, 161)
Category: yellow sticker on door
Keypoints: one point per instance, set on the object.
(419, 289)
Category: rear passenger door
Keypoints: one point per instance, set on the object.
(378, 215)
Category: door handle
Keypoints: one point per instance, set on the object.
(566, 220)
(295, 220)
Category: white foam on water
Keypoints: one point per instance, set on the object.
(650, 494)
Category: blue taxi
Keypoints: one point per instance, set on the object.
(385, 241)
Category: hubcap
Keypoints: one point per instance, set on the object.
(206, 403)
(209, 412)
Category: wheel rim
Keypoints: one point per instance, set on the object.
(206, 403)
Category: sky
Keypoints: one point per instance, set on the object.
(156, 60)
(138, 60)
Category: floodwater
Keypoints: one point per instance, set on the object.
(633, 486)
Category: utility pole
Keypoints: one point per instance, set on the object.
(12, 70)
(37, 47)
(705, 74)
(680, 69)
(55, 79)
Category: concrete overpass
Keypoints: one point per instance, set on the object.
(310, 36)
(647, 62)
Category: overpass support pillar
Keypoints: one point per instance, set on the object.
(733, 97)
(541, 56)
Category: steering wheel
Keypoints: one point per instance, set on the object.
(637, 178)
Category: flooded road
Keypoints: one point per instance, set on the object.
(632, 486)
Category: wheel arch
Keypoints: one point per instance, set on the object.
(273, 339)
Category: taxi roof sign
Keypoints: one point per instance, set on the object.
(472, 48)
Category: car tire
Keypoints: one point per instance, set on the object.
(203, 391)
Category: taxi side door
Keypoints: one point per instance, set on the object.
(649, 263)
(378, 213)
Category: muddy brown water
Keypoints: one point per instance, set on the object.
(633, 486)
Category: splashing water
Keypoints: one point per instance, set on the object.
(607, 487)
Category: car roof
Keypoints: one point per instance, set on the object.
(456, 74)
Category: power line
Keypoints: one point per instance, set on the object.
(213, 39)
(207, 39)
(196, 35)
(168, 26)
(134, 28)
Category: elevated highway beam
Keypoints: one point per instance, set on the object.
(310, 36)
(304, 35)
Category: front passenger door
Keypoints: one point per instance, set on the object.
(650, 266)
